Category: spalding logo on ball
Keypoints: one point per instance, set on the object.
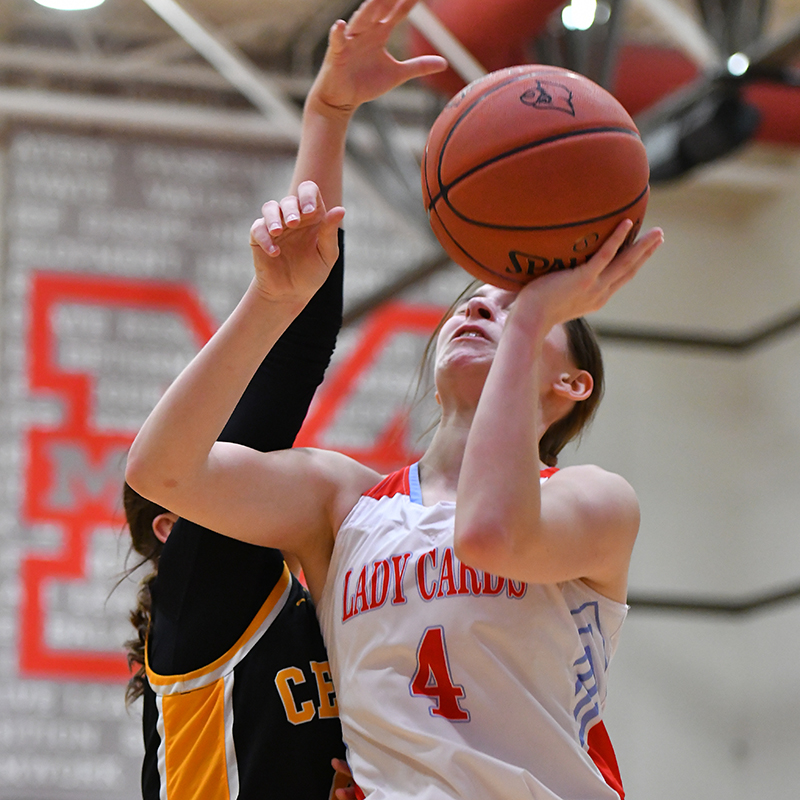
(528, 170)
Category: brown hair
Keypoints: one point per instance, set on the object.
(584, 351)
(140, 513)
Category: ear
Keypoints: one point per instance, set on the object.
(162, 525)
(438, 399)
(574, 386)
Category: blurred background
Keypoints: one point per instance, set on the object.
(138, 139)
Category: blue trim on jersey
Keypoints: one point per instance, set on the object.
(587, 708)
(414, 491)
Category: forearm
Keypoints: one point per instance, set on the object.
(175, 441)
(499, 498)
(320, 156)
(274, 405)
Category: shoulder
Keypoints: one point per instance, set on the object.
(591, 478)
(329, 465)
(345, 478)
(596, 487)
(605, 507)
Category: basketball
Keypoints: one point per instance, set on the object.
(528, 170)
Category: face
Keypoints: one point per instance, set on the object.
(468, 340)
(473, 331)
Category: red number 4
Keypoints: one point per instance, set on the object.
(433, 678)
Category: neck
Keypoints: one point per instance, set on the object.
(440, 467)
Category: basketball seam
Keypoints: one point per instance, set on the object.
(464, 113)
(471, 257)
(555, 227)
(445, 188)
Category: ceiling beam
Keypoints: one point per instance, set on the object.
(176, 48)
(229, 61)
(463, 63)
(61, 65)
(777, 52)
(68, 64)
(154, 117)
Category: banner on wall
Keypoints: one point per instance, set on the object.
(122, 257)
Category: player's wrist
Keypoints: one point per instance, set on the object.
(530, 315)
(318, 105)
(276, 304)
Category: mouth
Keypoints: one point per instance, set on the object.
(470, 332)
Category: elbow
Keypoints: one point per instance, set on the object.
(141, 477)
(484, 544)
(136, 476)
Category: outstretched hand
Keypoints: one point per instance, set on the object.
(294, 245)
(358, 67)
(561, 296)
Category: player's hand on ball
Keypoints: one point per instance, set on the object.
(294, 245)
(561, 296)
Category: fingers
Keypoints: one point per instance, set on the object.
(328, 241)
(634, 258)
(369, 12)
(296, 211)
(309, 198)
(260, 237)
(271, 215)
(340, 765)
(615, 257)
(288, 212)
(423, 65)
(348, 792)
(388, 13)
(568, 294)
(611, 246)
(337, 36)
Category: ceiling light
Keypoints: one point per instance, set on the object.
(70, 5)
(738, 64)
(579, 15)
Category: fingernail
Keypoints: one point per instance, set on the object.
(273, 250)
(308, 209)
(292, 218)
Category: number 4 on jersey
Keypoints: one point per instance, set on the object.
(433, 679)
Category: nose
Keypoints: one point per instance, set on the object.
(479, 307)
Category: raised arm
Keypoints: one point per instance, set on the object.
(582, 522)
(174, 460)
(357, 68)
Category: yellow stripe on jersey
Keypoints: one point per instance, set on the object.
(194, 735)
(168, 684)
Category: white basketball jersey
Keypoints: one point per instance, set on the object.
(454, 683)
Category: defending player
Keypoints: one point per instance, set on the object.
(234, 652)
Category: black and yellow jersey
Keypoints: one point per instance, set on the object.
(260, 721)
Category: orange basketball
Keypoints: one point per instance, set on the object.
(528, 170)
